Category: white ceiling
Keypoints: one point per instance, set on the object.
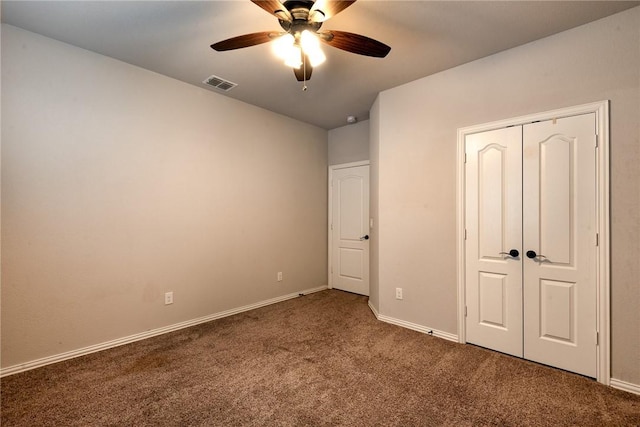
(173, 38)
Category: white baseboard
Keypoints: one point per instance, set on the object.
(623, 385)
(414, 326)
(147, 334)
(373, 309)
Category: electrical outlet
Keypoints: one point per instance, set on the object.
(279, 276)
(398, 293)
(168, 298)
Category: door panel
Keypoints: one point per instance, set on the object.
(556, 169)
(349, 223)
(557, 311)
(492, 198)
(560, 226)
(351, 263)
(350, 190)
(494, 225)
(492, 289)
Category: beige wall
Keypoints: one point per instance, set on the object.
(417, 165)
(349, 143)
(119, 184)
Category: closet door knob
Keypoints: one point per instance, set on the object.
(513, 253)
(533, 254)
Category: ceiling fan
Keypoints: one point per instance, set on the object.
(299, 43)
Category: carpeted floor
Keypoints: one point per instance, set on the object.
(321, 359)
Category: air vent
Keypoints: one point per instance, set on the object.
(220, 83)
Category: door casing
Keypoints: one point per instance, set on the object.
(603, 282)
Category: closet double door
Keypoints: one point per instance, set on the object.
(530, 250)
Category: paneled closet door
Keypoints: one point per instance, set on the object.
(559, 259)
(494, 232)
(530, 250)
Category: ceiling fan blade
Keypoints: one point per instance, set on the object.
(244, 41)
(304, 72)
(325, 9)
(355, 43)
(275, 8)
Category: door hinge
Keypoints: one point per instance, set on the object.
(465, 311)
(597, 338)
(597, 239)
(465, 157)
(597, 140)
(332, 226)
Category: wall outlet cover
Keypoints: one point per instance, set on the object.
(168, 298)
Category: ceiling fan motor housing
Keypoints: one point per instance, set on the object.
(300, 11)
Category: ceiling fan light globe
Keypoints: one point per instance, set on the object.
(316, 58)
(309, 41)
(311, 47)
(282, 46)
(316, 55)
(294, 57)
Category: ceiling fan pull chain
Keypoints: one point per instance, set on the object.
(304, 71)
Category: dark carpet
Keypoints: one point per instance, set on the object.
(321, 359)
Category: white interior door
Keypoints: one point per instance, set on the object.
(532, 188)
(349, 229)
(494, 228)
(559, 214)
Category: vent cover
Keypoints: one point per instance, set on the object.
(219, 83)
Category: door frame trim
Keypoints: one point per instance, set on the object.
(603, 276)
(333, 168)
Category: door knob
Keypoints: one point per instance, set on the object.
(513, 253)
(365, 237)
(533, 254)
